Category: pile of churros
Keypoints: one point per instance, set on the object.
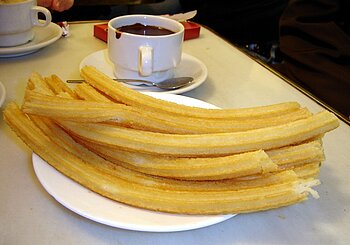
(163, 156)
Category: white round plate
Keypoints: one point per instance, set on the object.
(44, 36)
(103, 210)
(2, 94)
(189, 66)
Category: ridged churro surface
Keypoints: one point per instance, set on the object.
(162, 156)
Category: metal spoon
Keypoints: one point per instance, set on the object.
(171, 83)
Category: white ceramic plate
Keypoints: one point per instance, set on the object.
(189, 66)
(103, 210)
(2, 94)
(44, 36)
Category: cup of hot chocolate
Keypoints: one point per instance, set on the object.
(144, 46)
(17, 18)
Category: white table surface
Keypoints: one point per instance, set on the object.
(29, 215)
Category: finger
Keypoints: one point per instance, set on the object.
(61, 5)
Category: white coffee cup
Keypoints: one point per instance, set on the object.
(146, 57)
(17, 20)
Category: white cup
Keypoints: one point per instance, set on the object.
(145, 57)
(17, 20)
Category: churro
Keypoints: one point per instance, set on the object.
(58, 86)
(297, 155)
(206, 168)
(167, 157)
(210, 168)
(128, 96)
(64, 140)
(204, 144)
(97, 111)
(87, 92)
(203, 202)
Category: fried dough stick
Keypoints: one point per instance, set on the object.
(278, 156)
(201, 169)
(61, 138)
(76, 110)
(204, 144)
(307, 171)
(87, 92)
(97, 111)
(58, 86)
(216, 168)
(291, 156)
(232, 166)
(128, 96)
(297, 157)
(37, 83)
(248, 200)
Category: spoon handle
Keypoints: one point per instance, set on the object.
(119, 80)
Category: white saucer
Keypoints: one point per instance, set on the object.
(44, 36)
(189, 66)
(2, 94)
(103, 210)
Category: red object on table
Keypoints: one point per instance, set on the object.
(192, 30)
(100, 31)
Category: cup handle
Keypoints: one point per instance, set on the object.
(34, 16)
(145, 60)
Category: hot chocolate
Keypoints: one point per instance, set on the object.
(145, 30)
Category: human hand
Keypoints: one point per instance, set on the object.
(58, 5)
